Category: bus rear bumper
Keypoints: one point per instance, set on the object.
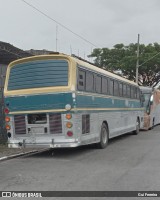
(52, 144)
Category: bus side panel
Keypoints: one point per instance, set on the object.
(120, 115)
(88, 131)
(119, 122)
(34, 103)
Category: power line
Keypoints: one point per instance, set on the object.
(149, 59)
(47, 16)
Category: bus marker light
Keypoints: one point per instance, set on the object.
(69, 133)
(68, 116)
(7, 119)
(8, 127)
(68, 107)
(68, 124)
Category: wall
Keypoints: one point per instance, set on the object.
(2, 80)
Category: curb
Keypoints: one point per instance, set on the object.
(17, 155)
(22, 154)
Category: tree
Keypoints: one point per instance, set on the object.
(123, 58)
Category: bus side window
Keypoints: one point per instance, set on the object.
(98, 84)
(111, 83)
(81, 80)
(89, 82)
(128, 91)
(104, 85)
(138, 94)
(120, 89)
(132, 92)
(135, 93)
(124, 90)
(116, 89)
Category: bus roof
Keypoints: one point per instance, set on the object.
(146, 89)
(81, 62)
(102, 71)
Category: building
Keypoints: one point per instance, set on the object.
(8, 53)
(39, 52)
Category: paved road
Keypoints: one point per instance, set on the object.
(129, 163)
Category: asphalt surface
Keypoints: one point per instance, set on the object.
(129, 163)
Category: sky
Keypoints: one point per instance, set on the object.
(103, 23)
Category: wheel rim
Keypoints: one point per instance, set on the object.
(104, 136)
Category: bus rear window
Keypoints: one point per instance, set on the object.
(37, 74)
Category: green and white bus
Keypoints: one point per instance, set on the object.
(62, 101)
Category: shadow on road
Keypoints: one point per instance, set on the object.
(73, 152)
(63, 153)
(68, 153)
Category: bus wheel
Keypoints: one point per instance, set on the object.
(104, 135)
(137, 127)
(152, 125)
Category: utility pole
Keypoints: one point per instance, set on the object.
(137, 64)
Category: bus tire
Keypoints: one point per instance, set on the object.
(104, 135)
(152, 125)
(136, 132)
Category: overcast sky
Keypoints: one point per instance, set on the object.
(102, 22)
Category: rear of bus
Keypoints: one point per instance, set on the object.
(146, 92)
(152, 107)
(39, 97)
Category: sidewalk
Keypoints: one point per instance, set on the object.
(6, 152)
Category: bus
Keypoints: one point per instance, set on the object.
(1, 113)
(152, 107)
(58, 101)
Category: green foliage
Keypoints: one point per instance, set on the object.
(124, 58)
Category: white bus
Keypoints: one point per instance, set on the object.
(62, 101)
(152, 107)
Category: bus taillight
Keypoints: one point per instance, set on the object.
(69, 125)
(68, 116)
(7, 119)
(8, 127)
(70, 133)
(6, 110)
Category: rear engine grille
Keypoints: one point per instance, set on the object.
(85, 124)
(55, 123)
(20, 124)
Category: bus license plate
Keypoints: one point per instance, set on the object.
(37, 130)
